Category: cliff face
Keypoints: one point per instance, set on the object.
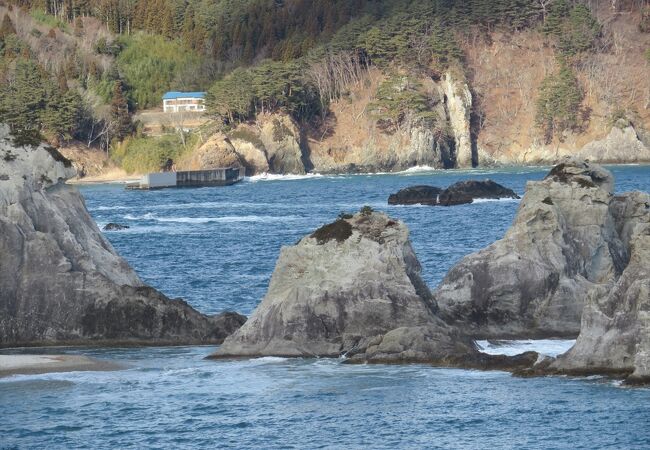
(562, 245)
(458, 101)
(507, 69)
(61, 281)
(350, 140)
(615, 330)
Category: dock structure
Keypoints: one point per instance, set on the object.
(190, 178)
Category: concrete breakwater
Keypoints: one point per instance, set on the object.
(190, 178)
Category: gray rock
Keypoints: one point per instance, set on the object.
(458, 193)
(282, 141)
(533, 282)
(416, 195)
(615, 333)
(115, 227)
(459, 106)
(622, 145)
(353, 288)
(61, 281)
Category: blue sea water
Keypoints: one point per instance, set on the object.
(217, 247)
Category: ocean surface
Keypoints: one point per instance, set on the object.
(216, 248)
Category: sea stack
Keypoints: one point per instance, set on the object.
(352, 288)
(61, 281)
(615, 333)
(533, 283)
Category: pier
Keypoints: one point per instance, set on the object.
(190, 178)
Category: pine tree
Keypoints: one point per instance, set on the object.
(558, 105)
(122, 125)
(6, 29)
(22, 102)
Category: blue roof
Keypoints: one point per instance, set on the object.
(172, 95)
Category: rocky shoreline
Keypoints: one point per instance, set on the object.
(574, 263)
(62, 281)
(352, 288)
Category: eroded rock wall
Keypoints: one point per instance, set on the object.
(61, 281)
(534, 282)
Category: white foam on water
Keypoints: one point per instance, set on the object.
(110, 208)
(225, 219)
(280, 177)
(504, 200)
(271, 359)
(546, 347)
(418, 169)
(148, 216)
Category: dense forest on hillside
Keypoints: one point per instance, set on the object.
(263, 55)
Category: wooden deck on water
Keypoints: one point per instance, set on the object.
(190, 178)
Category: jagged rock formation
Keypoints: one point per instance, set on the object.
(459, 107)
(62, 282)
(615, 333)
(273, 144)
(353, 288)
(459, 193)
(533, 283)
(621, 145)
(216, 152)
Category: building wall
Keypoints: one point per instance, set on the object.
(184, 104)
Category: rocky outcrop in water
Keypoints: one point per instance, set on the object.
(352, 288)
(416, 195)
(615, 332)
(62, 282)
(115, 227)
(562, 245)
(459, 193)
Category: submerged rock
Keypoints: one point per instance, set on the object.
(115, 227)
(61, 281)
(458, 193)
(353, 287)
(534, 282)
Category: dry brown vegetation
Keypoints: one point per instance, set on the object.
(506, 72)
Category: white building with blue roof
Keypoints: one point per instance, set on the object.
(183, 101)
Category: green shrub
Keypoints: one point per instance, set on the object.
(366, 211)
(46, 19)
(149, 154)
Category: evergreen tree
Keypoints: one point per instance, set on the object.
(7, 27)
(122, 126)
(558, 105)
(22, 101)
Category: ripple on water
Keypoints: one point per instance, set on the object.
(173, 398)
